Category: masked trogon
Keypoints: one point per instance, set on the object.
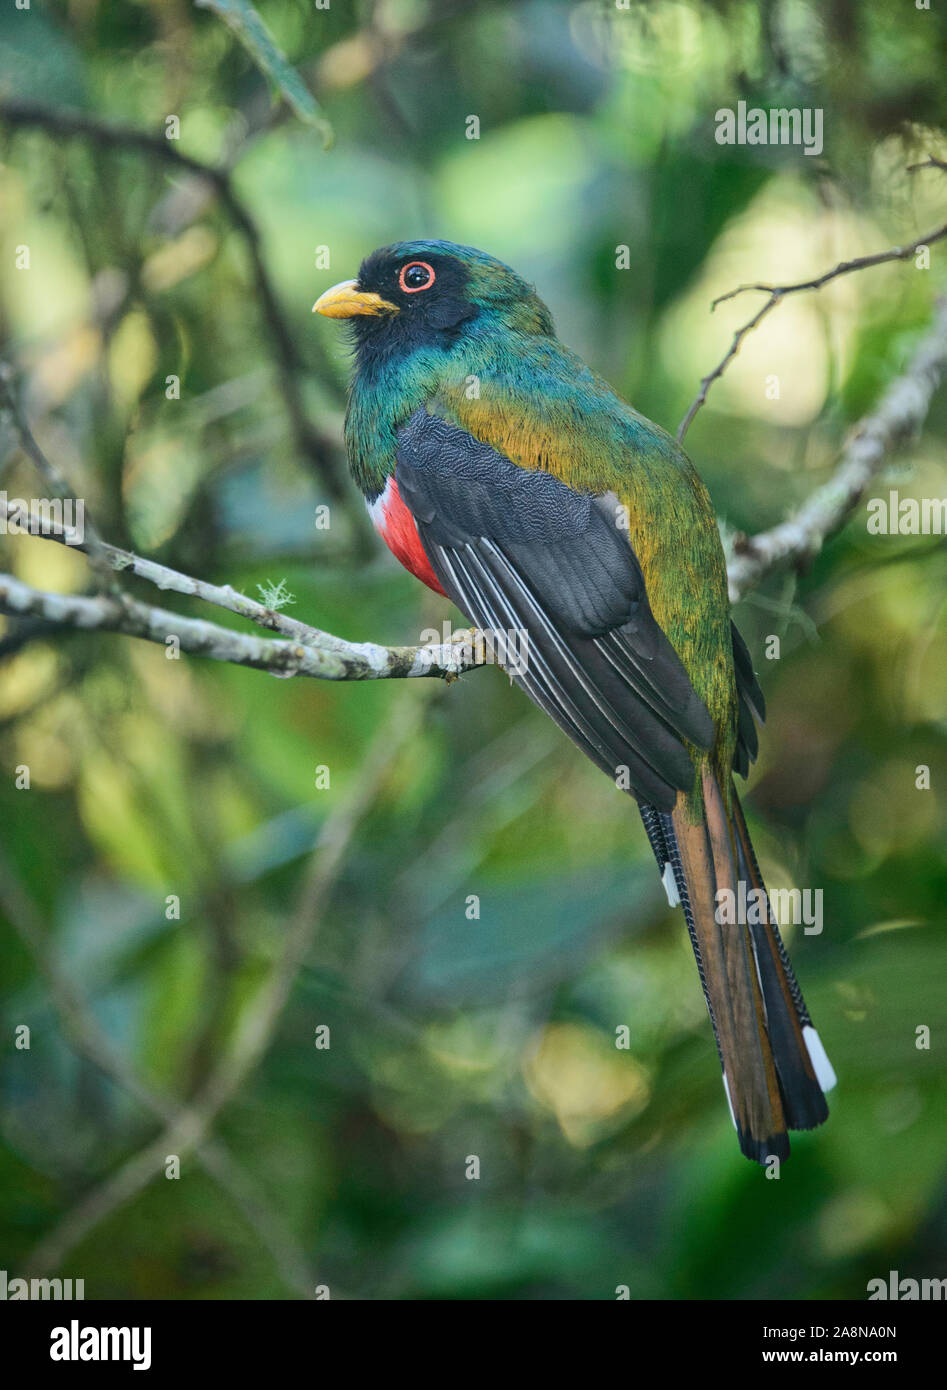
(505, 474)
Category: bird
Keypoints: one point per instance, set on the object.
(505, 474)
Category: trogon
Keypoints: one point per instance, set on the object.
(505, 474)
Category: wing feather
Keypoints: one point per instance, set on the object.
(548, 572)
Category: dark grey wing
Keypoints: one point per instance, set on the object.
(550, 574)
(752, 706)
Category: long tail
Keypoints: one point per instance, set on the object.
(775, 1070)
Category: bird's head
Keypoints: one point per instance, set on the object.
(423, 293)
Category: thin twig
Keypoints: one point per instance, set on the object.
(777, 293)
(721, 367)
(897, 418)
(931, 162)
(167, 579)
(54, 480)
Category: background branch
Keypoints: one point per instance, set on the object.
(310, 443)
(55, 481)
(777, 293)
(333, 660)
(899, 416)
(308, 651)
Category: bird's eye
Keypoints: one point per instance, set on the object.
(416, 275)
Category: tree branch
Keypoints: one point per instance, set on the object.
(777, 293)
(163, 577)
(55, 481)
(308, 651)
(310, 443)
(305, 650)
(898, 417)
(323, 657)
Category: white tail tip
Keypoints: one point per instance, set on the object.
(670, 885)
(726, 1087)
(824, 1072)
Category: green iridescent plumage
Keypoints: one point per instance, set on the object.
(505, 473)
(509, 381)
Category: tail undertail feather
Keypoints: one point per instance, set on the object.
(655, 831)
(805, 1073)
(774, 1067)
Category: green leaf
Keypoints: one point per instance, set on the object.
(242, 19)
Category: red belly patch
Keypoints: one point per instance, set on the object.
(397, 528)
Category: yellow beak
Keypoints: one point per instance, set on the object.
(345, 300)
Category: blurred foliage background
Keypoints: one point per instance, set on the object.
(453, 1037)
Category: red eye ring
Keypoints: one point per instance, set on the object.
(414, 289)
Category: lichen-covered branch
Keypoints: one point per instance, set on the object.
(321, 656)
(898, 417)
(307, 651)
(171, 580)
